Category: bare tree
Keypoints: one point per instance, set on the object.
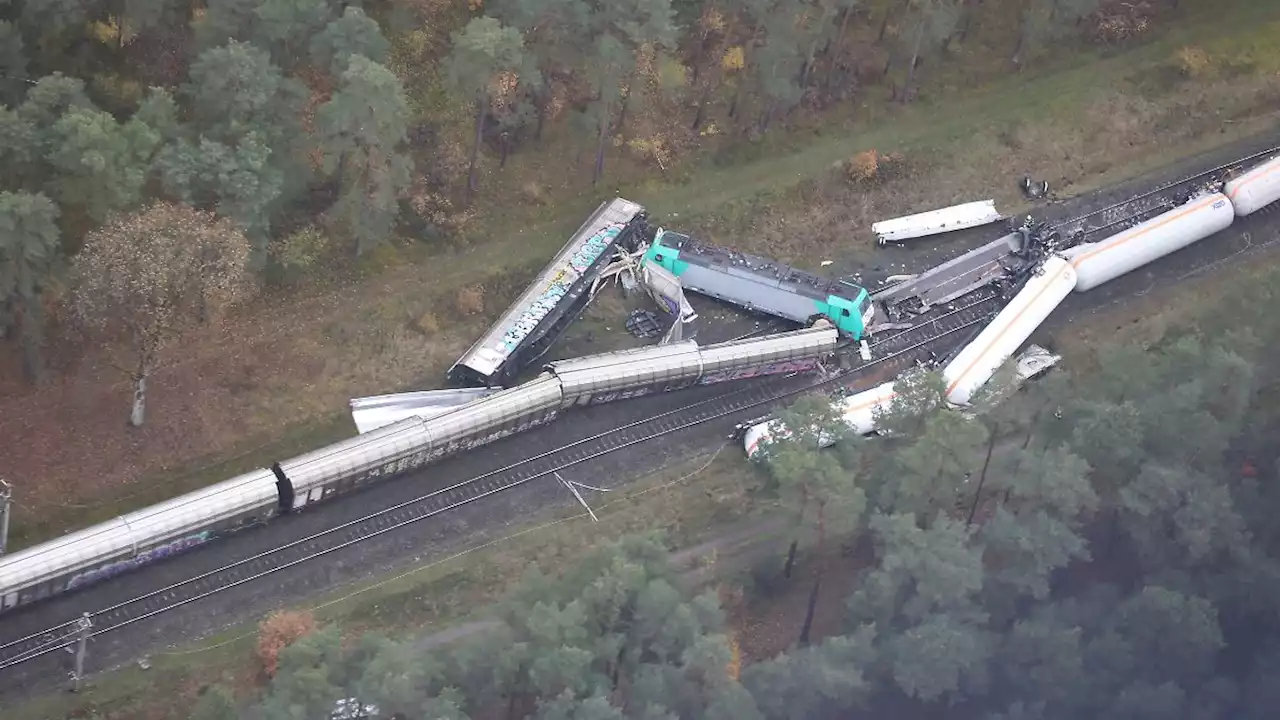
(146, 278)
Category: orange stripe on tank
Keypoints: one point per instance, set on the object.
(1259, 176)
(951, 388)
(1076, 261)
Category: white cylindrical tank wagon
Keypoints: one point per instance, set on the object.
(979, 360)
(858, 412)
(1100, 262)
(1255, 189)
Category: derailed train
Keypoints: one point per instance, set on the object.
(141, 537)
(1080, 269)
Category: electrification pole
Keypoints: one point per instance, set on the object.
(6, 495)
(84, 631)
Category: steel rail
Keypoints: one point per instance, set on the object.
(1079, 220)
(983, 305)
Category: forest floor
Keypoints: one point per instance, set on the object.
(275, 380)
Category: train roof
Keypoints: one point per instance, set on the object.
(546, 292)
(775, 273)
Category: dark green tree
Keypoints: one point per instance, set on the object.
(1045, 497)
(1175, 637)
(224, 21)
(823, 680)
(819, 492)
(235, 89)
(1041, 660)
(100, 165)
(287, 27)
(918, 572)
(29, 251)
(308, 681)
(352, 34)
(239, 182)
(928, 24)
(13, 64)
(945, 655)
(482, 51)
(243, 150)
(215, 703)
(931, 471)
(19, 145)
(363, 128)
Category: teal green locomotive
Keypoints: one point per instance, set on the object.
(761, 285)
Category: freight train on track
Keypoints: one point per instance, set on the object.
(1042, 266)
(113, 547)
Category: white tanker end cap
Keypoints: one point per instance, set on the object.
(758, 435)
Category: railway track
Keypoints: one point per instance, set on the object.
(1126, 213)
(900, 347)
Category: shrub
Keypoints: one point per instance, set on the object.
(428, 323)
(871, 167)
(1192, 62)
(301, 251)
(470, 300)
(280, 630)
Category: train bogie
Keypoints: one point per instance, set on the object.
(998, 341)
(798, 351)
(342, 466)
(124, 543)
(1255, 189)
(631, 373)
(1106, 260)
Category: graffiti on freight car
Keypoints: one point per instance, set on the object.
(396, 467)
(472, 443)
(158, 552)
(779, 368)
(579, 262)
(621, 395)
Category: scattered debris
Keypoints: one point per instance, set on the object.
(644, 324)
(1035, 189)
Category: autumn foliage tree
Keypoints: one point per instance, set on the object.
(148, 278)
(280, 630)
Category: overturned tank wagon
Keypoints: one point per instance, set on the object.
(1100, 262)
(998, 341)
